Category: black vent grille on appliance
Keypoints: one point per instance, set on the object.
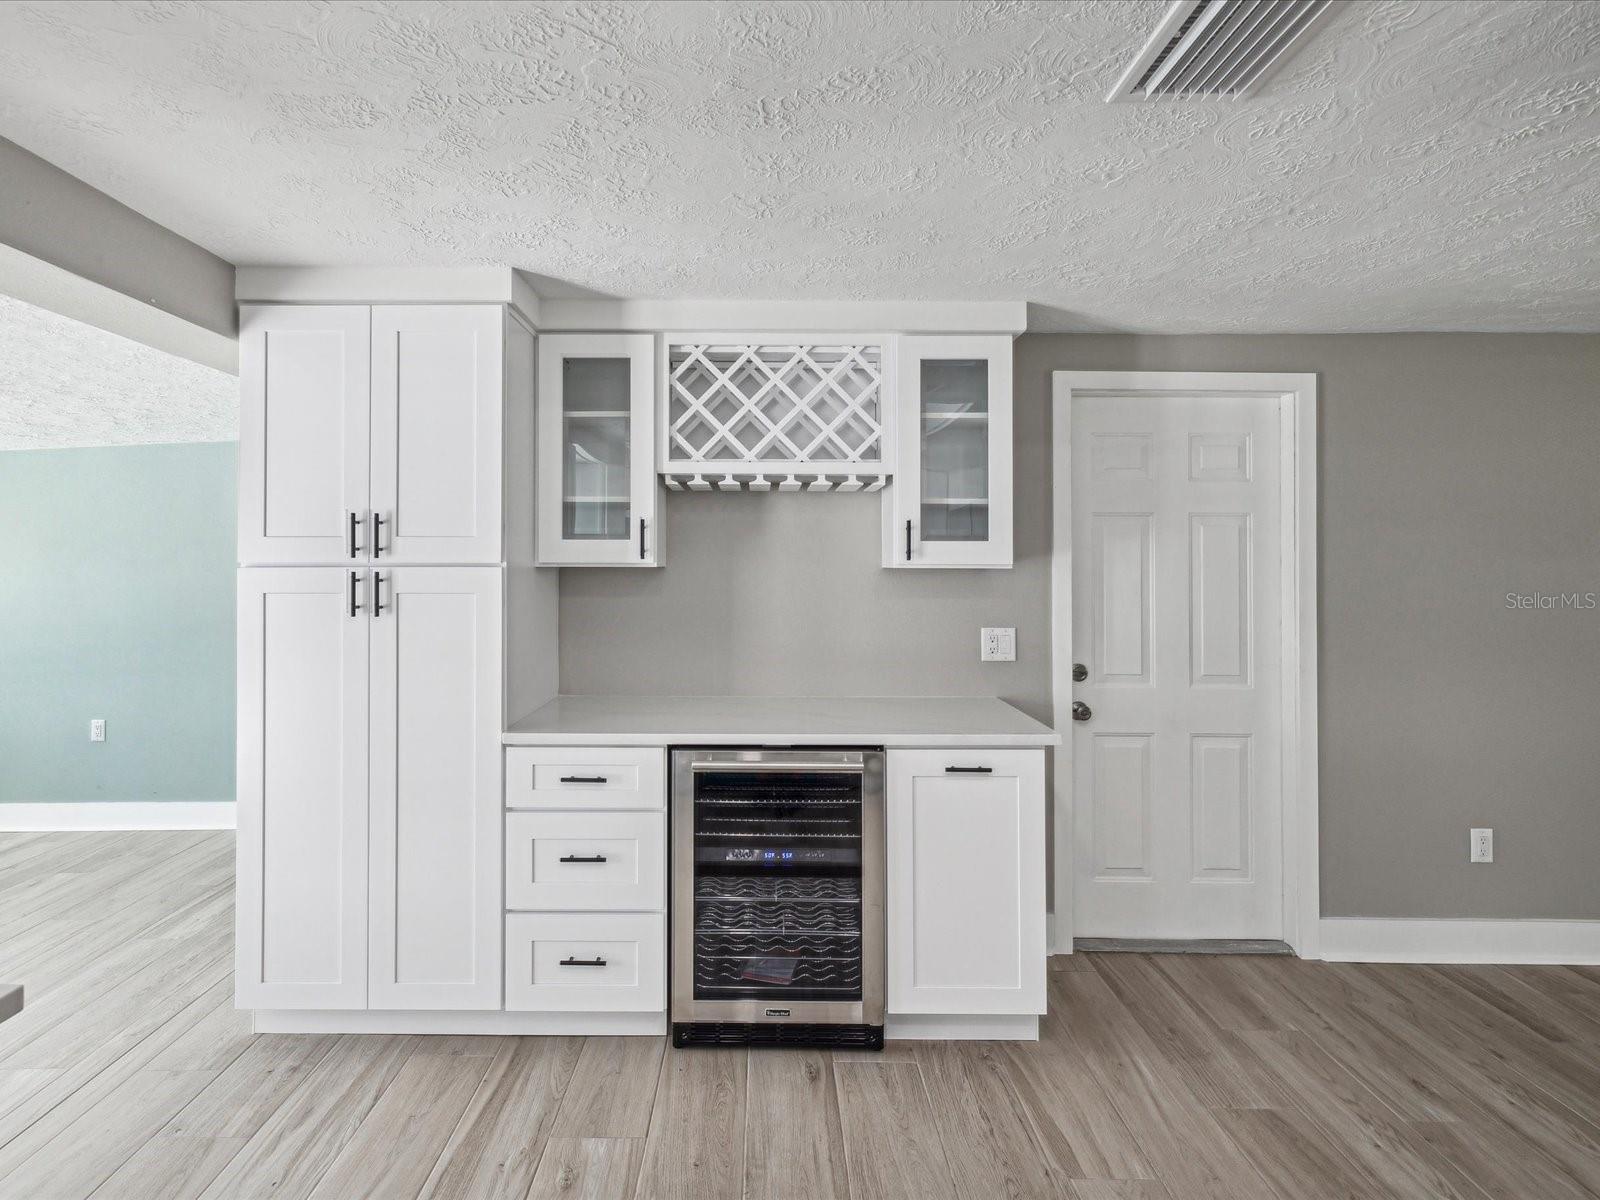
(733, 1033)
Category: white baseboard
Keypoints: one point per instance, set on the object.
(1397, 940)
(936, 1027)
(131, 814)
(490, 1023)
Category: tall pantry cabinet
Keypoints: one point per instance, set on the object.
(376, 446)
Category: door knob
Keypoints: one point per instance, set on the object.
(1081, 711)
(1079, 672)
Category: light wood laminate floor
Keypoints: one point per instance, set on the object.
(129, 1074)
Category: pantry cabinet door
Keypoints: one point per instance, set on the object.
(437, 384)
(436, 797)
(302, 803)
(597, 481)
(950, 503)
(966, 881)
(303, 433)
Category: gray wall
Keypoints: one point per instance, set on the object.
(1454, 467)
(55, 217)
(117, 601)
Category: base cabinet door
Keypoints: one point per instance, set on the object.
(302, 841)
(436, 817)
(966, 881)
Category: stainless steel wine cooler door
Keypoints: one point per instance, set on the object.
(778, 887)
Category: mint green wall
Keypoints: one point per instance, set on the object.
(117, 601)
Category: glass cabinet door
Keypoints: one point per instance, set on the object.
(596, 479)
(951, 498)
(595, 451)
(954, 404)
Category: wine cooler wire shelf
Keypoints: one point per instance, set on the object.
(751, 789)
(767, 835)
(785, 801)
(801, 821)
(811, 975)
(813, 888)
(780, 917)
(771, 944)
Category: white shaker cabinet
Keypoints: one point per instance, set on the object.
(302, 788)
(599, 496)
(304, 432)
(436, 459)
(966, 882)
(369, 787)
(435, 788)
(950, 503)
(373, 433)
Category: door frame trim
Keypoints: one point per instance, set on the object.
(1297, 401)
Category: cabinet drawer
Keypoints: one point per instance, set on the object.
(586, 962)
(586, 777)
(586, 860)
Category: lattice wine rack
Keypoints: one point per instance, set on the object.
(792, 415)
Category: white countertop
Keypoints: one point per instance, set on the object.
(778, 720)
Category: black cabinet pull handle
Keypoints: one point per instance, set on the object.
(355, 578)
(641, 538)
(583, 962)
(969, 770)
(377, 536)
(584, 858)
(377, 593)
(908, 539)
(355, 547)
(583, 779)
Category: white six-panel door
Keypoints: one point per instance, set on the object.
(302, 839)
(965, 885)
(1175, 602)
(436, 794)
(436, 463)
(303, 433)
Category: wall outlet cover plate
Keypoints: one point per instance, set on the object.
(997, 644)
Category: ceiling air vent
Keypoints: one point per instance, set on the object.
(1219, 47)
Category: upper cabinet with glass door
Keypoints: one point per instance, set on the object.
(950, 504)
(596, 478)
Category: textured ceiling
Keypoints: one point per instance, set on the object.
(64, 383)
(1418, 166)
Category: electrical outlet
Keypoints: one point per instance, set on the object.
(1482, 845)
(997, 645)
(97, 730)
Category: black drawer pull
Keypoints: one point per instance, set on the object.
(582, 858)
(583, 779)
(583, 962)
(969, 770)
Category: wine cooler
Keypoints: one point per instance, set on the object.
(777, 897)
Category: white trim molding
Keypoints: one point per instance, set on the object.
(386, 285)
(1297, 397)
(90, 815)
(1448, 940)
(785, 316)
